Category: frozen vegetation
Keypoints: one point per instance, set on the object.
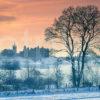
(63, 96)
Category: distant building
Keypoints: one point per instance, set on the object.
(25, 50)
(9, 52)
(35, 53)
(14, 48)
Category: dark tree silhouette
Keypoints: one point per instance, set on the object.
(62, 32)
(82, 23)
(88, 28)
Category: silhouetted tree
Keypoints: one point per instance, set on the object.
(81, 23)
(87, 26)
(62, 32)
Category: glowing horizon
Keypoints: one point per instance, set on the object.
(32, 16)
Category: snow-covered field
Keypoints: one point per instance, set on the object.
(67, 96)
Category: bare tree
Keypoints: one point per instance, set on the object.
(80, 22)
(87, 25)
(62, 32)
(58, 73)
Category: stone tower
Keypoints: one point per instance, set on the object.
(14, 48)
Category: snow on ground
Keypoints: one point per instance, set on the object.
(67, 96)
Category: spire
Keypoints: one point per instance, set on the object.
(14, 48)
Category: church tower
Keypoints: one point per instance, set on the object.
(14, 48)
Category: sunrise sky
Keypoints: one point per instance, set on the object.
(28, 19)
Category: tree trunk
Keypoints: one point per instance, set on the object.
(28, 72)
(73, 72)
(82, 69)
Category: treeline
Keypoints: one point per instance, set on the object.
(31, 78)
